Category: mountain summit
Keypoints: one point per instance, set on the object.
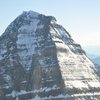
(40, 60)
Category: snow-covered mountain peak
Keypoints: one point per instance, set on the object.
(30, 13)
(39, 57)
(26, 18)
(29, 20)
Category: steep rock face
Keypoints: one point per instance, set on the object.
(39, 59)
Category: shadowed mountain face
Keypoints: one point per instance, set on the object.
(40, 60)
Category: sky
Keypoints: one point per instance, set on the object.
(81, 18)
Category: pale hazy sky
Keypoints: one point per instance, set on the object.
(81, 18)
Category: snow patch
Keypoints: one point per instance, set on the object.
(94, 84)
(27, 42)
(78, 84)
(7, 78)
(29, 28)
(13, 94)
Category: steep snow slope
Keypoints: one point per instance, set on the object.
(40, 60)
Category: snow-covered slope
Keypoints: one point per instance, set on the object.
(40, 60)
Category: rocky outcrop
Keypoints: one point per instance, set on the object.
(40, 60)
